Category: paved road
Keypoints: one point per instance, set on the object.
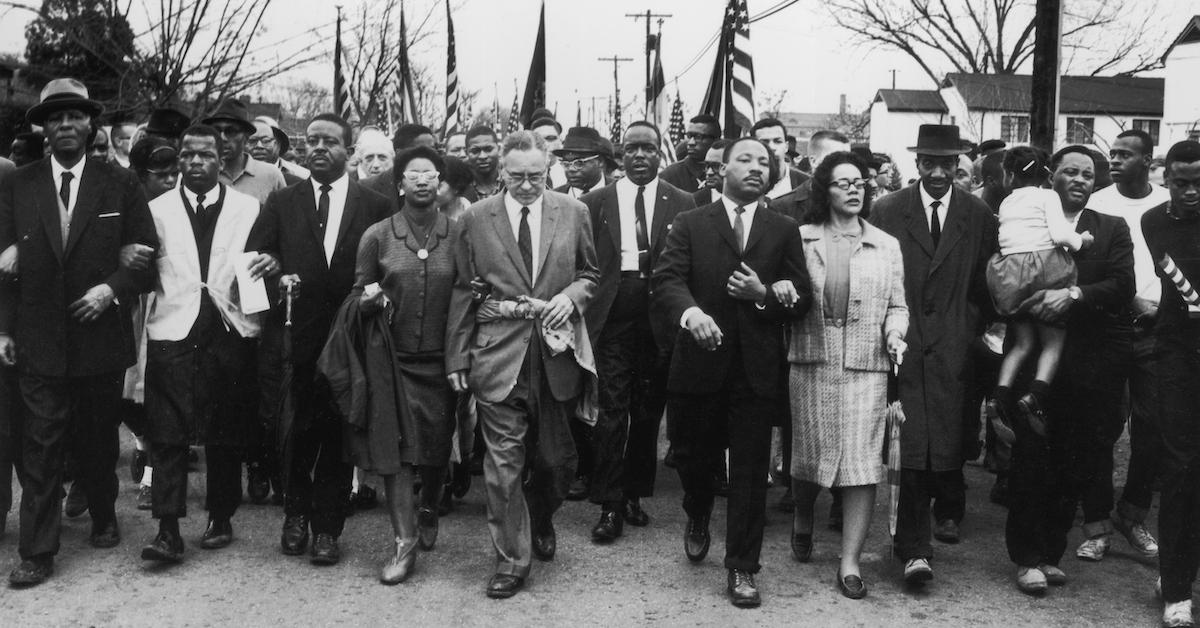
(642, 579)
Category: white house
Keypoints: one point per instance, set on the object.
(896, 114)
(1181, 96)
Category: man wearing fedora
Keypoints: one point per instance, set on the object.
(62, 318)
(268, 143)
(167, 123)
(629, 226)
(241, 172)
(946, 237)
(584, 158)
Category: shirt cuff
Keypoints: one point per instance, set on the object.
(686, 314)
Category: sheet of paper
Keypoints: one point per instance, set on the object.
(253, 292)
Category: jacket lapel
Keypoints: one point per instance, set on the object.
(503, 229)
(918, 228)
(716, 214)
(659, 221)
(349, 213)
(762, 216)
(611, 216)
(307, 205)
(47, 206)
(91, 192)
(550, 212)
(952, 228)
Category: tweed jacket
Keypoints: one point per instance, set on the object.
(877, 306)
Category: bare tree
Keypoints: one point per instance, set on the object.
(996, 36)
(853, 124)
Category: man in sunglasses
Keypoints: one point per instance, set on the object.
(688, 174)
(583, 157)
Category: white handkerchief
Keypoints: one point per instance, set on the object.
(253, 292)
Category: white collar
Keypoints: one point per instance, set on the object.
(514, 207)
(631, 187)
(339, 185)
(211, 195)
(927, 199)
(731, 205)
(58, 169)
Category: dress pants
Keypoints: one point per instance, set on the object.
(1178, 369)
(10, 436)
(528, 464)
(319, 478)
(918, 489)
(700, 426)
(223, 479)
(1145, 441)
(632, 396)
(60, 413)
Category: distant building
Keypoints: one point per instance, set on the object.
(1181, 96)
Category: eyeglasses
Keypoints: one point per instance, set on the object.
(517, 178)
(845, 184)
(578, 162)
(715, 166)
(260, 141)
(414, 176)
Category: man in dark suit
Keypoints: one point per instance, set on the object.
(526, 242)
(773, 133)
(310, 233)
(584, 158)
(822, 143)
(629, 225)
(687, 174)
(946, 237)
(1074, 463)
(725, 377)
(60, 323)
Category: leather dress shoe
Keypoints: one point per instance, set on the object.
(946, 531)
(295, 535)
(167, 547)
(218, 534)
(802, 546)
(427, 527)
(545, 541)
(32, 572)
(258, 483)
(1033, 413)
(696, 538)
(578, 490)
(77, 501)
(852, 586)
(105, 535)
(325, 550)
(503, 585)
(609, 528)
(633, 513)
(399, 565)
(742, 590)
(137, 465)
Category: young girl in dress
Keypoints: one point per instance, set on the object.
(1033, 232)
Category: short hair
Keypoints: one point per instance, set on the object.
(720, 145)
(648, 124)
(706, 118)
(767, 123)
(457, 174)
(1026, 163)
(523, 140)
(407, 134)
(725, 154)
(152, 153)
(829, 135)
(819, 206)
(416, 152)
(347, 130)
(202, 130)
(1187, 151)
(479, 130)
(1077, 149)
(1143, 137)
(543, 121)
(35, 143)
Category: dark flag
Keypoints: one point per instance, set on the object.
(408, 98)
(535, 84)
(452, 123)
(341, 92)
(658, 104)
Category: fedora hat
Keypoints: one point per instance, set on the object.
(583, 139)
(167, 122)
(281, 138)
(938, 140)
(59, 94)
(235, 111)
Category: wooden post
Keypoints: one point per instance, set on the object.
(1047, 46)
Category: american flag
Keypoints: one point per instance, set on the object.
(514, 117)
(676, 130)
(616, 122)
(739, 94)
(452, 122)
(408, 97)
(341, 91)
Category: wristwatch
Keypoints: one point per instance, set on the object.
(1075, 293)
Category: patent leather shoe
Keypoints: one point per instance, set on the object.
(504, 586)
(609, 528)
(218, 534)
(696, 538)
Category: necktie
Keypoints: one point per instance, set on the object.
(525, 241)
(64, 194)
(200, 206)
(935, 224)
(739, 229)
(323, 209)
(643, 242)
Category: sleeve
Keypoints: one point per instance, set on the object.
(1116, 289)
(671, 295)
(9, 290)
(137, 228)
(461, 323)
(978, 292)
(587, 271)
(795, 269)
(366, 267)
(896, 319)
(264, 237)
(1061, 232)
(1155, 248)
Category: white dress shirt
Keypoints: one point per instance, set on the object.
(535, 226)
(210, 196)
(927, 200)
(57, 170)
(626, 199)
(337, 208)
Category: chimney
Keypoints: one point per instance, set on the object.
(842, 106)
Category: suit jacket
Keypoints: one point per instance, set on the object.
(1106, 281)
(704, 196)
(606, 230)
(794, 204)
(110, 212)
(492, 352)
(876, 306)
(384, 184)
(699, 257)
(287, 229)
(948, 302)
(798, 177)
(681, 175)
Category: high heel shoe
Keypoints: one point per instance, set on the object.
(400, 565)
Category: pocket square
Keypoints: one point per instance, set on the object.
(109, 215)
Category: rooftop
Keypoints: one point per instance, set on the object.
(1096, 95)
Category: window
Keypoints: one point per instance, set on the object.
(1149, 126)
(1079, 130)
(1014, 129)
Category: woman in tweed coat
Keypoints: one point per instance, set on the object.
(840, 355)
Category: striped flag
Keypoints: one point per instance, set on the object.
(496, 112)
(408, 98)
(514, 117)
(341, 91)
(676, 130)
(452, 121)
(615, 131)
(739, 95)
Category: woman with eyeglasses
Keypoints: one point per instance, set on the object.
(840, 356)
(405, 273)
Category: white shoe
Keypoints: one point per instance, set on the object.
(1054, 575)
(1031, 580)
(1138, 536)
(917, 571)
(1178, 615)
(1093, 549)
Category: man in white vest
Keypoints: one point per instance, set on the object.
(200, 356)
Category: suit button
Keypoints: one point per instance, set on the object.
(420, 314)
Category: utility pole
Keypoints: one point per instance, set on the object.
(650, 45)
(616, 61)
(1047, 47)
(893, 78)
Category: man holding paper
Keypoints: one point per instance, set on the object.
(200, 371)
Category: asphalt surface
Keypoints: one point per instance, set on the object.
(641, 579)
